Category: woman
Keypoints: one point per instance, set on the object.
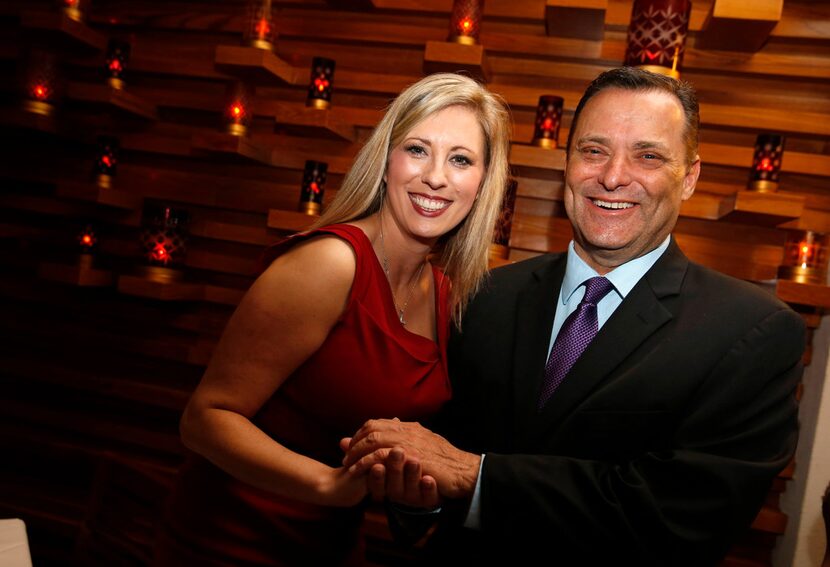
(348, 322)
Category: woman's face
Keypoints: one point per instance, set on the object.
(434, 174)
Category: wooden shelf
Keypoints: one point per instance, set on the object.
(533, 161)
(88, 191)
(579, 19)
(223, 295)
(739, 26)
(172, 291)
(64, 30)
(234, 146)
(253, 64)
(814, 295)
(707, 206)
(118, 98)
(328, 120)
(451, 57)
(765, 209)
(79, 275)
(291, 221)
(18, 118)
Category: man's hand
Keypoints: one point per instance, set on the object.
(454, 471)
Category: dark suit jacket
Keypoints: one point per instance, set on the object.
(660, 445)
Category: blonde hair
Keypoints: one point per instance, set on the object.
(463, 252)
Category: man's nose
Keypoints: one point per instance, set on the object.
(616, 173)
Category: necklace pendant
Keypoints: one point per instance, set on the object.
(400, 317)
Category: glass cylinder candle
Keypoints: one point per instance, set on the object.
(321, 83)
(657, 35)
(87, 246)
(41, 82)
(259, 25)
(73, 8)
(805, 257)
(238, 112)
(500, 247)
(311, 193)
(548, 120)
(106, 161)
(118, 55)
(766, 163)
(465, 21)
(164, 238)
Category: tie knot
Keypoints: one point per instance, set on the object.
(595, 289)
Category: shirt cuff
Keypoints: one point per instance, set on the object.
(473, 519)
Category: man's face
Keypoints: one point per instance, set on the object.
(626, 175)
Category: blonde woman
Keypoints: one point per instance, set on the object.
(348, 322)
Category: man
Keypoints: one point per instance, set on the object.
(660, 442)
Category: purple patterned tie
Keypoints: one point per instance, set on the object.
(578, 330)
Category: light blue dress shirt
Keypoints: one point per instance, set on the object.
(623, 278)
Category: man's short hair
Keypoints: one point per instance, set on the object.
(634, 79)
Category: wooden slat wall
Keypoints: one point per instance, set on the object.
(95, 375)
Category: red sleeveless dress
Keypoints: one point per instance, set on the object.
(369, 366)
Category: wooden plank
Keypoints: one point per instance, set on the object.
(256, 65)
(232, 146)
(740, 26)
(70, 33)
(769, 209)
(118, 98)
(792, 162)
(451, 57)
(173, 291)
(87, 191)
(814, 295)
(291, 221)
(328, 120)
(580, 19)
(83, 276)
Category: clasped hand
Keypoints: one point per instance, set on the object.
(409, 464)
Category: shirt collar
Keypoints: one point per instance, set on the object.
(623, 277)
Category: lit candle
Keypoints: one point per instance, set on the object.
(465, 21)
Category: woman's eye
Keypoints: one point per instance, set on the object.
(461, 160)
(416, 150)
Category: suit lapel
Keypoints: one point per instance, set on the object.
(641, 313)
(535, 310)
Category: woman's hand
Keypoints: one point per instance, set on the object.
(341, 488)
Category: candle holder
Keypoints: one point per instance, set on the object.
(87, 247)
(73, 9)
(259, 25)
(500, 247)
(238, 109)
(766, 163)
(548, 120)
(41, 83)
(118, 55)
(320, 84)
(465, 21)
(164, 238)
(106, 161)
(657, 35)
(805, 257)
(311, 193)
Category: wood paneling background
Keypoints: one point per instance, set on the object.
(94, 377)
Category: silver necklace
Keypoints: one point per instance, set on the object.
(385, 262)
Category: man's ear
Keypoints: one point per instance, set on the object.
(690, 179)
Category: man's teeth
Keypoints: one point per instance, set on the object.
(430, 205)
(612, 205)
